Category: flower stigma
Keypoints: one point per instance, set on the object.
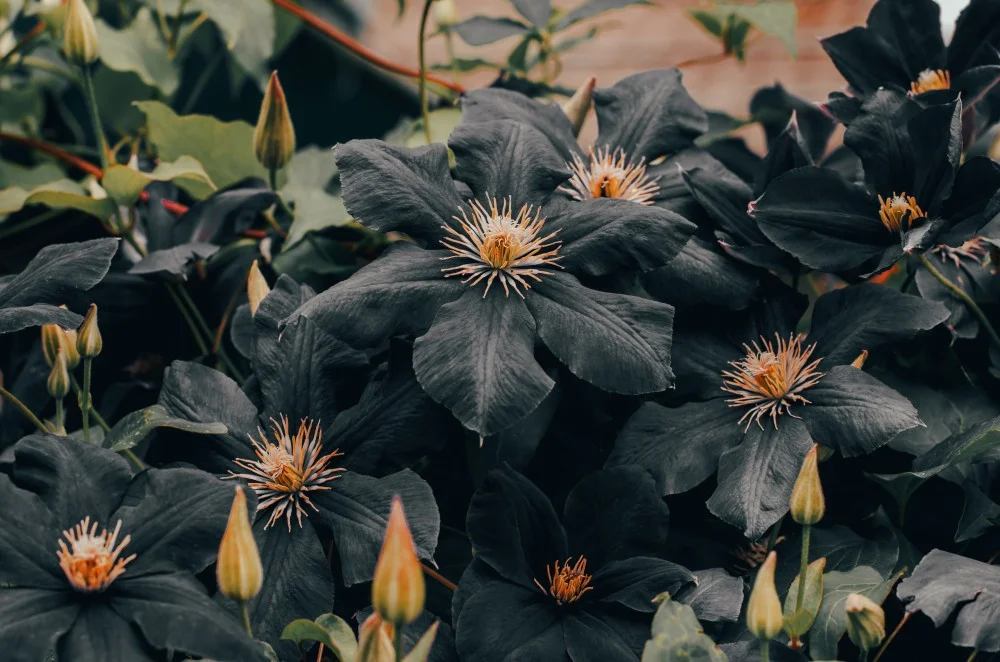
(899, 211)
(500, 246)
(567, 582)
(91, 561)
(771, 378)
(975, 250)
(608, 175)
(931, 79)
(287, 468)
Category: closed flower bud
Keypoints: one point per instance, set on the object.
(68, 339)
(58, 382)
(445, 13)
(398, 585)
(80, 34)
(88, 337)
(860, 361)
(51, 342)
(578, 106)
(808, 504)
(764, 615)
(375, 641)
(865, 621)
(274, 137)
(257, 287)
(238, 570)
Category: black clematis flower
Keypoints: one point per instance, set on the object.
(492, 280)
(902, 48)
(97, 564)
(919, 193)
(580, 589)
(769, 394)
(318, 468)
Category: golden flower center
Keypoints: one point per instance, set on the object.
(495, 244)
(607, 174)
(287, 468)
(92, 561)
(975, 249)
(931, 79)
(771, 378)
(567, 582)
(899, 211)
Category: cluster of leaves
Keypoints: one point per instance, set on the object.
(555, 355)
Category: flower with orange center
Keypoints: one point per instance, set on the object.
(931, 79)
(899, 212)
(771, 378)
(497, 244)
(92, 561)
(567, 582)
(606, 174)
(287, 469)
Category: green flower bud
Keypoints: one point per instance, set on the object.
(865, 621)
(445, 13)
(51, 342)
(808, 504)
(58, 382)
(764, 616)
(257, 287)
(88, 339)
(80, 34)
(67, 338)
(238, 570)
(398, 589)
(274, 137)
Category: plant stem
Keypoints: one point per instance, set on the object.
(188, 319)
(95, 117)
(803, 567)
(772, 539)
(203, 326)
(892, 636)
(28, 414)
(85, 398)
(245, 613)
(962, 296)
(93, 410)
(972, 655)
(272, 178)
(703, 59)
(130, 454)
(438, 577)
(449, 44)
(863, 656)
(422, 63)
(397, 636)
(52, 150)
(765, 650)
(178, 19)
(60, 413)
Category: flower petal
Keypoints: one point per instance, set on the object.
(491, 104)
(880, 137)
(32, 620)
(503, 621)
(701, 274)
(856, 413)
(387, 187)
(590, 636)
(617, 342)
(27, 540)
(478, 360)
(976, 25)
(101, 634)
(913, 30)
(634, 582)
(756, 477)
(864, 60)
(974, 205)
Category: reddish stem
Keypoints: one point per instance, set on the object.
(438, 577)
(61, 154)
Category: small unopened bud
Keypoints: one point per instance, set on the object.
(58, 382)
(445, 13)
(80, 34)
(764, 615)
(88, 337)
(860, 361)
(808, 504)
(865, 621)
(578, 106)
(398, 585)
(257, 287)
(239, 570)
(50, 342)
(375, 640)
(68, 340)
(274, 137)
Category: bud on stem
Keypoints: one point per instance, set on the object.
(808, 505)
(80, 43)
(239, 571)
(398, 586)
(764, 615)
(865, 621)
(257, 287)
(88, 337)
(58, 382)
(274, 137)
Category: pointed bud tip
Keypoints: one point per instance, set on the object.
(577, 107)
(257, 287)
(398, 589)
(765, 617)
(808, 504)
(58, 381)
(239, 571)
(88, 337)
(865, 621)
(80, 43)
(274, 135)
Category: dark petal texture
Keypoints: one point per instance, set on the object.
(387, 187)
(976, 32)
(634, 582)
(756, 477)
(648, 115)
(912, 28)
(478, 360)
(880, 137)
(491, 104)
(27, 541)
(398, 293)
(974, 201)
(937, 151)
(854, 412)
(681, 446)
(864, 60)
(101, 634)
(724, 198)
(787, 152)
(530, 627)
(617, 342)
(702, 274)
(31, 620)
(591, 638)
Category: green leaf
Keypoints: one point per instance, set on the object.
(124, 184)
(329, 630)
(831, 621)
(777, 18)
(677, 635)
(60, 194)
(465, 65)
(12, 174)
(734, 36)
(482, 30)
(248, 28)
(116, 93)
(224, 149)
(130, 431)
(309, 174)
(442, 122)
(422, 649)
(798, 622)
(979, 515)
(140, 49)
(710, 20)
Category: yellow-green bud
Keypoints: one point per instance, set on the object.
(51, 342)
(445, 13)
(865, 621)
(274, 137)
(808, 504)
(88, 337)
(375, 640)
(257, 287)
(398, 586)
(239, 570)
(68, 339)
(578, 106)
(80, 34)
(58, 382)
(764, 616)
